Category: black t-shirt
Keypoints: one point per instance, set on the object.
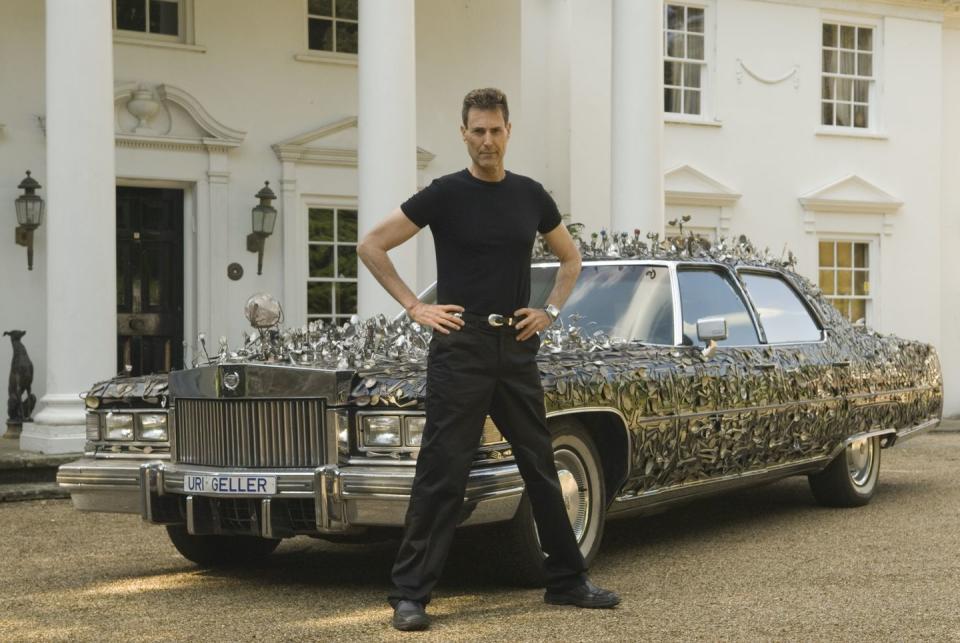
(484, 233)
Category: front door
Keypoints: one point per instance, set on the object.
(149, 280)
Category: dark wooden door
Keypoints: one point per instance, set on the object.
(149, 280)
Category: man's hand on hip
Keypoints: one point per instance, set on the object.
(437, 316)
(534, 320)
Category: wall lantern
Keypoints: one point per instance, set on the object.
(29, 215)
(264, 218)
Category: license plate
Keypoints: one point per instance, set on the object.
(239, 485)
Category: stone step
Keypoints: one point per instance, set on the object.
(14, 492)
(23, 466)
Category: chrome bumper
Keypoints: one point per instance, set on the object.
(103, 485)
(340, 499)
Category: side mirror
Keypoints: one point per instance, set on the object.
(711, 330)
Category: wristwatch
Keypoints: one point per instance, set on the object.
(553, 312)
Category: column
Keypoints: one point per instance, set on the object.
(636, 193)
(387, 147)
(80, 222)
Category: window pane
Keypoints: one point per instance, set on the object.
(861, 285)
(132, 15)
(860, 255)
(858, 310)
(827, 116)
(320, 7)
(319, 298)
(827, 89)
(691, 75)
(826, 253)
(321, 261)
(829, 35)
(843, 305)
(347, 37)
(861, 91)
(347, 9)
(346, 298)
(675, 45)
(847, 37)
(826, 282)
(844, 89)
(844, 259)
(672, 73)
(844, 282)
(320, 34)
(321, 224)
(691, 102)
(829, 61)
(347, 261)
(843, 114)
(865, 64)
(865, 39)
(705, 293)
(847, 62)
(347, 226)
(671, 100)
(860, 116)
(164, 18)
(695, 47)
(674, 16)
(695, 19)
(782, 314)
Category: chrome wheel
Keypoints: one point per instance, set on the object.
(860, 455)
(575, 486)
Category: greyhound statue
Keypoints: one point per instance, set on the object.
(20, 408)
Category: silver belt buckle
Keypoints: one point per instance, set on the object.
(495, 320)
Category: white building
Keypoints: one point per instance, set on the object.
(822, 125)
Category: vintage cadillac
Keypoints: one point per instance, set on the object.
(680, 369)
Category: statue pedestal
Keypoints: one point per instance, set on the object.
(13, 430)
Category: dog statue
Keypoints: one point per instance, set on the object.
(21, 400)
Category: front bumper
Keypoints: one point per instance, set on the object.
(97, 484)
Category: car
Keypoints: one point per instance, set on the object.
(681, 368)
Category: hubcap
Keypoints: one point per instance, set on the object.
(575, 486)
(860, 454)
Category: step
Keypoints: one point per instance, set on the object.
(19, 491)
(27, 467)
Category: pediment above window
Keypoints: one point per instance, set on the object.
(852, 194)
(167, 117)
(332, 144)
(686, 185)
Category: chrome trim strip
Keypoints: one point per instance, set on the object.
(867, 434)
(191, 516)
(266, 519)
(603, 409)
(914, 431)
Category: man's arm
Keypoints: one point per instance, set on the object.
(389, 234)
(562, 245)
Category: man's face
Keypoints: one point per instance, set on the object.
(486, 136)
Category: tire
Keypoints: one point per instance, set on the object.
(220, 551)
(577, 459)
(851, 479)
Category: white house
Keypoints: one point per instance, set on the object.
(824, 126)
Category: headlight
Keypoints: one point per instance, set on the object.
(342, 419)
(119, 426)
(93, 426)
(491, 434)
(414, 425)
(381, 431)
(92, 402)
(153, 426)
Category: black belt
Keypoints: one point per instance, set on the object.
(494, 320)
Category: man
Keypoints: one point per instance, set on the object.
(484, 221)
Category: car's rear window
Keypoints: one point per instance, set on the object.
(782, 314)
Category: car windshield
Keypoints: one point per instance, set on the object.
(632, 302)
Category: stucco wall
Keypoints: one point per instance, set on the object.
(950, 224)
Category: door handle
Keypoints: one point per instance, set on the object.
(767, 365)
(845, 364)
(136, 324)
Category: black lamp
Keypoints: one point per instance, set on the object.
(264, 219)
(29, 215)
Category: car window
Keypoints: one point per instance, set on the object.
(782, 314)
(711, 293)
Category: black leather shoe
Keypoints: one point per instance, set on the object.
(409, 616)
(585, 595)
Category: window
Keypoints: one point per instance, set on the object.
(684, 64)
(163, 18)
(845, 276)
(709, 293)
(783, 315)
(332, 279)
(848, 81)
(332, 25)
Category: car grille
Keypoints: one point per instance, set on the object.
(248, 433)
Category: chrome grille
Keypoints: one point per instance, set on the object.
(248, 433)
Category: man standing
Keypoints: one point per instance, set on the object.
(482, 358)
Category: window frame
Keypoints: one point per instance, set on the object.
(323, 53)
(333, 316)
(875, 112)
(770, 272)
(738, 288)
(185, 40)
(873, 251)
(707, 115)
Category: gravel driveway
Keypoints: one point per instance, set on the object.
(763, 564)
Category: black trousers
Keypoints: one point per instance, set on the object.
(470, 373)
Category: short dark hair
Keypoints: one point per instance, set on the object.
(486, 98)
